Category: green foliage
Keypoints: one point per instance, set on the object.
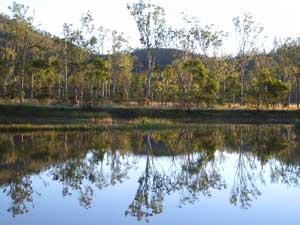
(232, 88)
(165, 85)
(204, 86)
(137, 87)
(266, 90)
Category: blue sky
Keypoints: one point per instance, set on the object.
(280, 18)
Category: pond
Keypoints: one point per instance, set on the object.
(213, 174)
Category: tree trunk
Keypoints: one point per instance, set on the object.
(31, 88)
(297, 93)
(149, 72)
(4, 91)
(289, 98)
(224, 91)
(108, 90)
(242, 88)
(66, 73)
(59, 83)
(21, 87)
(149, 88)
(91, 93)
(103, 89)
(76, 96)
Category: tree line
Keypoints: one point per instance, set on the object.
(78, 69)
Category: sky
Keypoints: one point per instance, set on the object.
(280, 18)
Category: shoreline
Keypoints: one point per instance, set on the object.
(36, 117)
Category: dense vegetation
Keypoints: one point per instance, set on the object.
(178, 66)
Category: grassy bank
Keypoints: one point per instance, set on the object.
(59, 116)
(136, 124)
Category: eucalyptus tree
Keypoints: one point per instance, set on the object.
(151, 23)
(288, 57)
(247, 34)
(125, 77)
(282, 50)
(264, 89)
(295, 55)
(166, 87)
(118, 60)
(54, 65)
(102, 34)
(21, 38)
(37, 66)
(87, 42)
(99, 74)
(84, 44)
(183, 39)
(232, 88)
(102, 64)
(192, 39)
(208, 39)
(209, 42)
(7, 59)
(203, 87)
(67, 39)
(136, 92)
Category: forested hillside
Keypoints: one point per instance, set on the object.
(179, 66)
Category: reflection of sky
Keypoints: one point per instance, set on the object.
(278, 204)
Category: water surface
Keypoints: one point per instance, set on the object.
(215, 174)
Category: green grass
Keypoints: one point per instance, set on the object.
(129, 125)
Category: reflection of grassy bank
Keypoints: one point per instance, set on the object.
(71, 117)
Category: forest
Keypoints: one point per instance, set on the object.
(183, 67)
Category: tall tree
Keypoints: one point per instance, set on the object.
(67, 39)
(21, 37)
(7, 59)
(247, 33)
(119, 47)
(151, 23)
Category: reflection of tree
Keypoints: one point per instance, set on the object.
(257, 145)
(198, 178)
(151, 190)
(21, 194)
(285, 169)
(244, 188)
(198, 173)
(190, 179)
(84, 162)
(84, 174)
(285, 174)
(72, 164)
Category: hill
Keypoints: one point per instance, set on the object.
(163, 57)
(41, 39)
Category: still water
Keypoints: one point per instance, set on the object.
(215, 174)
